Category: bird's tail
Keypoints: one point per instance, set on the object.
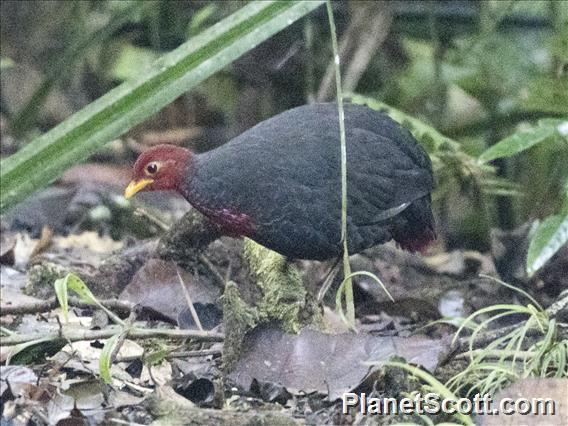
(416, 231)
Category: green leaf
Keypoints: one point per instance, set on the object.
(34, 351)
(44, 159)
(60, 286)
(132, 61)
(546, 93)
(156, 357)
(78, 286)
(521, 141)
(104, 360)
(549, 237)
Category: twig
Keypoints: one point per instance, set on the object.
(228, 272)
(189, 302)
(137, 388)
(329, 278)
(309, 66)
(182, 354)
(135, 333)
(40, 414)
(153, 219)
(75, 355)
(122, 337)
(368, 28)
(559, 305)
(213, 269)
(51, 303)
(376, 27)
(497, 354)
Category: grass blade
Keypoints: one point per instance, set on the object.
(76, 284)
(105, 359)
(60, 287)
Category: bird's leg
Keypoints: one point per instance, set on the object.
(329, 277)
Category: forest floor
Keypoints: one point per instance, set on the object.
(167, 347)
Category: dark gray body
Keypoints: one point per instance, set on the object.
(285, 175)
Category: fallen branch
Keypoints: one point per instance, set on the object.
(134, 333)
(172, 355)
(560, 306)
(52, 303)
(497, 354)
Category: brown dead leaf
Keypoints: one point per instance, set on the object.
(156, 286)
(77, 402)
(315, 361)
(84, 357)
(15, 376)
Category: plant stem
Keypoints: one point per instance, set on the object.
(52, 303)
(350, 307)
(172, 355)
(134, 333)
(498, 354)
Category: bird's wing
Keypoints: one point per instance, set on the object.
(382, 178)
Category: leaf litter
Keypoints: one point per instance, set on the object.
(286, 375)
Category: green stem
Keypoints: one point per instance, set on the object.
(350, 307)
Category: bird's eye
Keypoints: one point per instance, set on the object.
(152, 168)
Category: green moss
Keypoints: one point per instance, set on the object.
(238, 318)
(284, 295)
(282, 298)
(41, 277)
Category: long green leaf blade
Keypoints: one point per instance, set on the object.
(74, 140)
(105, 359)
(60, 286)
(76, 284)
(522, 141)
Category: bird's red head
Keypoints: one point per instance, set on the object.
(161, 167)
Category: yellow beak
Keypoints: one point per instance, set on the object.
(135, 186)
